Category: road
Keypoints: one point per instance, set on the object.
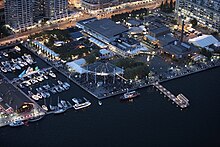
(68, 23)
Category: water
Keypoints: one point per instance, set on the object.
(149, 121)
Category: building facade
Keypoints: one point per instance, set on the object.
(56, 9)
(24, 14)
(19, 14)
(206, 12)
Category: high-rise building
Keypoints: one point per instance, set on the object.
(38, 10)
(75, 3)
(206, 12)
(19, 14)
(56, 9)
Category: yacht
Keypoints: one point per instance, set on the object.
(53, 75)
(3, 69)
(65, 87)
(5, 54)
(80, 103)
(39, 95)
(59, 82)
(129, 95)
(64, 103)
(43, 94)
(47, 94)
(17, 48)
(46, 87)
(45, 77)
(17, 67)
(35, 97)
(66, 84)
(16, 123)
(44, 107)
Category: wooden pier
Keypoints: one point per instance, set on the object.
(180, 100)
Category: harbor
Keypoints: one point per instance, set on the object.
(51, 88)
(46, 90)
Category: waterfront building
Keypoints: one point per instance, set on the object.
(18, 14)
(179, 50)
(206, 12)
(104, 30)
(203, 41)
(115, 36)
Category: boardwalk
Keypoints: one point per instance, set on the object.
(180, 100)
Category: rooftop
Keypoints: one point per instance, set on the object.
(203, 41)
(105, 27)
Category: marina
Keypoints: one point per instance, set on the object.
(52, 88)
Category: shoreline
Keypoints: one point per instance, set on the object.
(121, 91)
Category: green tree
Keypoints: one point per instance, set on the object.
(171, 5)
(194, 22)
(162, 6)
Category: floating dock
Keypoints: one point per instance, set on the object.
(180, 99)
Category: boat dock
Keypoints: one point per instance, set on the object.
(180, 100)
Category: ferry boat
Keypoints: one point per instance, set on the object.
(16, 123)
(129, 95)
(79, 103)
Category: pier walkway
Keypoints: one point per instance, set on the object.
(180, 100)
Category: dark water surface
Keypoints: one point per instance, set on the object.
(149, 121)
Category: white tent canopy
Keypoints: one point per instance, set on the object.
(76, 65)
(203, 41)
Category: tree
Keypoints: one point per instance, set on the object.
(162, 6)
(194, 22)
(171, 5)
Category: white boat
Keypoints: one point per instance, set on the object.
(5, 54)
(17, 67)
(16, 123)
(25, 63)
(100, 103)
(66, 84)
(44, 107)
(129, 95)
(3, 69)
(61, 88)
(39, 95)
(52, 107)
(53, 75)
(47, 94)
(79, 104)
(65, 87)
(64, 103)
(43, 94)
(46, 87)
(13, 68)
(17, 48)
(35, 97)
(21, 86)
(59, 82)
(45, 77)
